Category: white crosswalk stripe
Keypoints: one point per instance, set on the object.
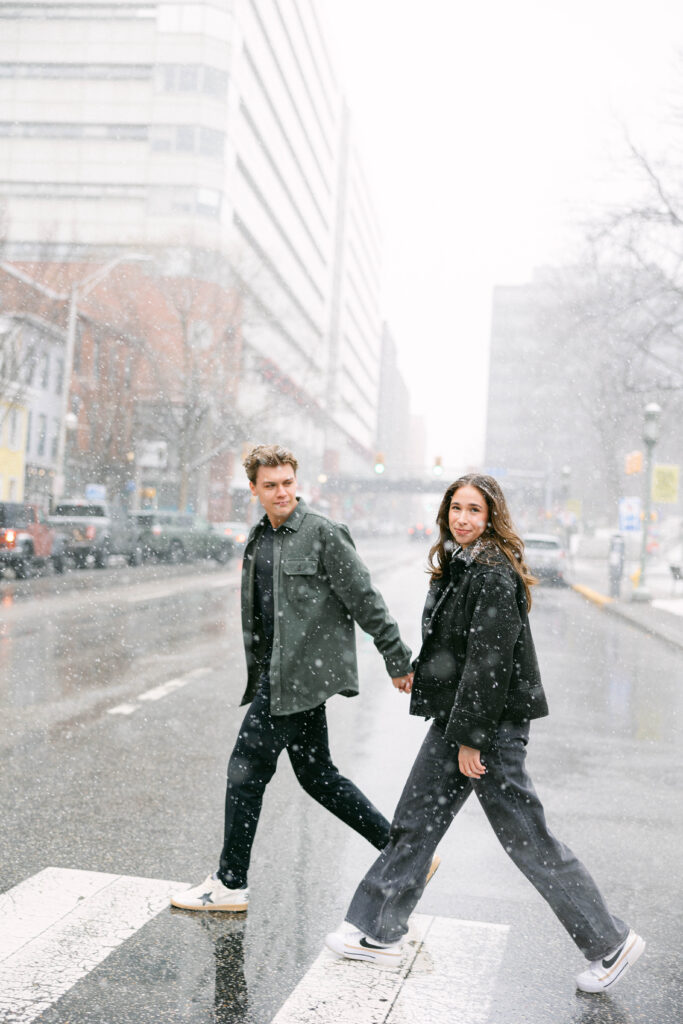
(60, 924)
(447, 977)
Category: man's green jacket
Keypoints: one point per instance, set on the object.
(320, 587)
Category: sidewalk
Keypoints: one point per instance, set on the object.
(662, 617)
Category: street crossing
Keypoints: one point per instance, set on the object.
(448, 976)
(60, 924)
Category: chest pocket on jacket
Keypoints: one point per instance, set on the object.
(301, 577)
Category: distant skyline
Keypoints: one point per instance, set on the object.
(490, 133)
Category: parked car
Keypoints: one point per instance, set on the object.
(94, 531)
(27, 541)
(420, 531)
(180, 536)
(236, 530)
(545, 556)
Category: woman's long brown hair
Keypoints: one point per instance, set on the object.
(499, 531)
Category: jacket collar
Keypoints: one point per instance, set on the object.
(482, 552)
(293, 523)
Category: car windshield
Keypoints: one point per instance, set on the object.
(15, 515)
(544, 545)
(78, 510)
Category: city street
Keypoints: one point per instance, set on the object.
(119, 702)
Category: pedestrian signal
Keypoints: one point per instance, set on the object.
(379, 462)
(634, 463)
(437, 468)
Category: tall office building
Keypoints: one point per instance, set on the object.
(218, 128)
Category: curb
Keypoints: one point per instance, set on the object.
(657, 629)
(592, 595)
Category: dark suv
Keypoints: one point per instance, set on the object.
(180, 536)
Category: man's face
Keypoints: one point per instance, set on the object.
(275, 488)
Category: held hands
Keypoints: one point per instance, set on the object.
(469, 762)
(404, 683)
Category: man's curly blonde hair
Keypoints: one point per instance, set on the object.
(268, 455)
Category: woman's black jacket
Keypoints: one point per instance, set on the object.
(477, 666)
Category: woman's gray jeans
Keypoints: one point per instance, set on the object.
(433, 795)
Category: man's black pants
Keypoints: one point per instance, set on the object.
(261, 740)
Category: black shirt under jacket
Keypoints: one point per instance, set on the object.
(477, 666)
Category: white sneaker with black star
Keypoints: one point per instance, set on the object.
(353, 944)
(603, 974)
(212, 895)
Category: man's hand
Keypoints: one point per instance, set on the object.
(469, 762)
(404, 683)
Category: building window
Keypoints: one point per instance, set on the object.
(14, 429)
(105, 71)
(55, 439)
(211, 142)
(192, 78)
(66, 130)
(45, 370)
(42, 433)
(76, 11)
(71, 190)
(29, 425)
(59, 385)
(183, 199)
(187, 138)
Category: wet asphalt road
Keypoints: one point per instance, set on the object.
(141, 794)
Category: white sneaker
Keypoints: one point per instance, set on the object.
(355, 945)
(602, 974)
(212, 895)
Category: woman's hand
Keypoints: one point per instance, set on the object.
(404, 683)
(469, 762)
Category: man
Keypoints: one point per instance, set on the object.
(303, 585)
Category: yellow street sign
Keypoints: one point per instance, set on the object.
(665, 484)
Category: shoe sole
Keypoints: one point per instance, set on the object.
(232, 908)
(628, 959)
(362, 955)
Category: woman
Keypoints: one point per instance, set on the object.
(477, 677)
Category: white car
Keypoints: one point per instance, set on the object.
(545, 556)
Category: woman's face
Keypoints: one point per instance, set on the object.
(468, 515)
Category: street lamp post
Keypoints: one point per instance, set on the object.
(650, 437)
(78, 292)
(566, 480)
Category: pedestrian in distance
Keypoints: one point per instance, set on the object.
(303, 588)
(477, 678)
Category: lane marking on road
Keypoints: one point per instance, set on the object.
(58, 925)
(123, 709)
(449, 974)
(157, 692)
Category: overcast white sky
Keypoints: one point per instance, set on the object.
(488, 129)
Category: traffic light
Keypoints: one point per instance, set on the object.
(379, 462)
(634, 463)
(437, 468)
